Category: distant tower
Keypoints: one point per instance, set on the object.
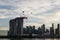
(52, 30)
(43, 28)
(58, 28)
(39, 31)
(53, 27)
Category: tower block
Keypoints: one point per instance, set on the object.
(16, 26)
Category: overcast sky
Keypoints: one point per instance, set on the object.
(38, 12)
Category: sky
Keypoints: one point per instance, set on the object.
(38, 12)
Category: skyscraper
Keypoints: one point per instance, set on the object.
(11, 28)
(52, 30)
(43, 28)
(16, 26)
(58, 29)
(39, 31)
(33, 29)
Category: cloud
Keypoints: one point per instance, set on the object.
(8, 7)
(37, 11)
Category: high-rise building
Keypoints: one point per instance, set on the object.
(43, 28)
(33, 29)
(16, 26)
(58, 29)
(47, 31)
(52, 31)
(11, 28)
(30, 29)
(27, 31)
(39, 31)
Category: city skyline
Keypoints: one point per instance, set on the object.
(38, 12)
(16, 29)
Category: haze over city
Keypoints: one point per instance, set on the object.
(38, 12)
